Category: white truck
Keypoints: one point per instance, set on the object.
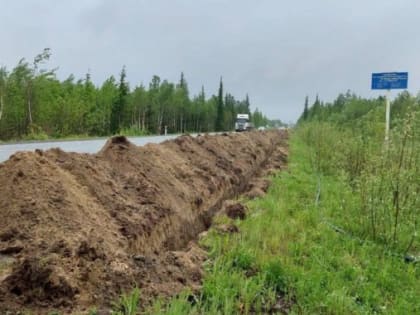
(242, 123)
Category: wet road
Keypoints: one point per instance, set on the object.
(81, 146)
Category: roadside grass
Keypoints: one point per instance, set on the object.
(296, 253)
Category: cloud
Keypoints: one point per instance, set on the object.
(277, 51)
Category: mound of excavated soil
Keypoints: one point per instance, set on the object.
(77, 230)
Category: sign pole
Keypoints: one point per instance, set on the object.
(389, 81)
(388, 115)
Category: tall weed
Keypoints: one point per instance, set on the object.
(385, 177)
(389, 188)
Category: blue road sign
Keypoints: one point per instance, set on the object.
(389, 80)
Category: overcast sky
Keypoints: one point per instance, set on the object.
(277, 51)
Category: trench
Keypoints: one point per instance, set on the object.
(204, 220)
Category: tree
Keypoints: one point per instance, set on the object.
(230, 111)
(31, 76)
(119, 105)
(247, 105)
(220, 111)
(105, 99)
(259, 119)
(3, 83)
(152, 108)
(306, 109)
(182, 103)
(315, 111)
(164, 100)
(34, 103)
(16, 96)
(139, 106)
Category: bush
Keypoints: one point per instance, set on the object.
(133, 131)
(389, 188)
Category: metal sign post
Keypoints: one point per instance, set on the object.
(387, 114)
(389, 81)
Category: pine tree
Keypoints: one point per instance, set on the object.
(183, 103)
(247, 105)
(200, 109)
(202, 95)
(306, 109)
(182, 84)
(219, 112)
(316, 108)
(119, 104)
(229, 112)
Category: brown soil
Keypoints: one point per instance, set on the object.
(234, 209)
(77, 230)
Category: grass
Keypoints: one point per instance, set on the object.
(128, 304)
(298, 249)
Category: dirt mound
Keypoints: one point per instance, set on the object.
(79, 229)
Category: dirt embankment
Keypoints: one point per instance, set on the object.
(76, 230)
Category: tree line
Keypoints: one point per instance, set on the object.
(348, 109)
(34, 103)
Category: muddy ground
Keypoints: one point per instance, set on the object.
(77, 230)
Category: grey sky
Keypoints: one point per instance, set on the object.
(277, 51)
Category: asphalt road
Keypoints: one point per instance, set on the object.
(81, 146)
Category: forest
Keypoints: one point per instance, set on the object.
(35, 104)
(349, 108)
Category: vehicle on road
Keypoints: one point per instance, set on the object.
(242, 123)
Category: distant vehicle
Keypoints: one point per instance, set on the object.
(242, 123)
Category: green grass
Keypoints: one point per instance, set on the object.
(127, 304)
(303, 252)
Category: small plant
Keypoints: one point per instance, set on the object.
(36, 133)
(133, 132)
(127, 304)
(242, 259)
(275, 276)
(93, 311)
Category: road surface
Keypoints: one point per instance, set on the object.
(80, 146)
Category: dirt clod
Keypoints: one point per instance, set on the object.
(235, 210)
(13, 249)
(38, 282)
(120, 140)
